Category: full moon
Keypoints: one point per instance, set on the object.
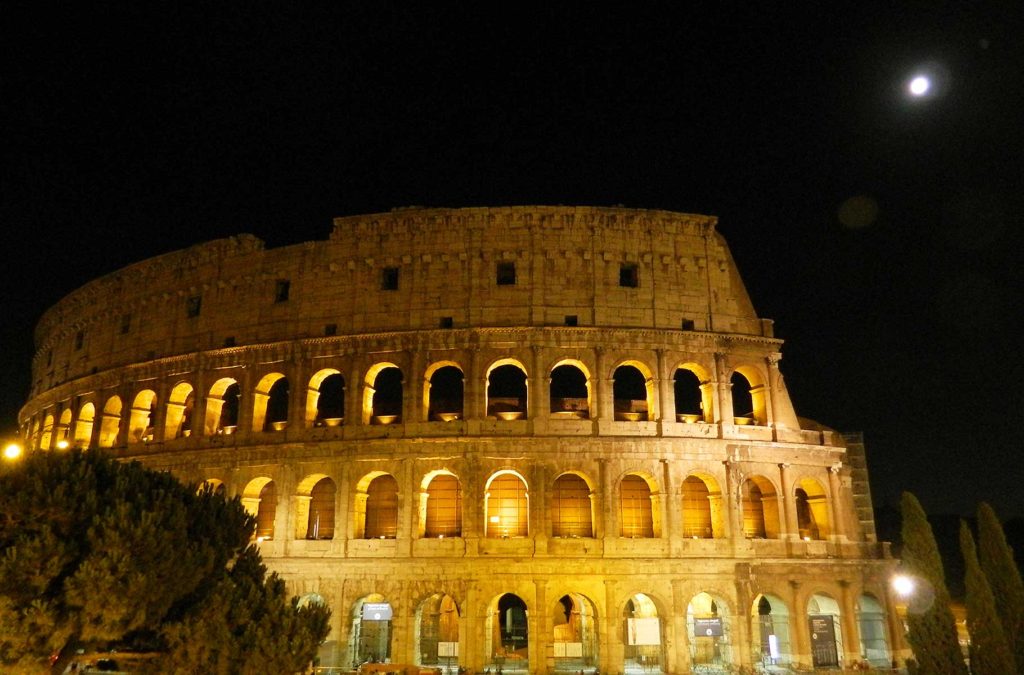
(920, 85)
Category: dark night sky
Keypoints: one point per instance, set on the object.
(134, 129)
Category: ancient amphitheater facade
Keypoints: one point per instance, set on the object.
(529, 439)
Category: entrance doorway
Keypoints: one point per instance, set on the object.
(437, 632)
(508, 635)
(643, 649)
(575, 634)
(370, 641)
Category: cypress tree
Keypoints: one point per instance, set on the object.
(990, 653)
(932, 628)
(996, 558)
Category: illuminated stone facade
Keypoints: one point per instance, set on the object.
(530, 438)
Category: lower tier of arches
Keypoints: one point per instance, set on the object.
(635, 616)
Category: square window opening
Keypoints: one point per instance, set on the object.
(506, 274)
(572, 320)
(688, 324)
(389, 279)
(446, 322)
(629, 275)
(193, 306)
(330, 329)
(281, 290)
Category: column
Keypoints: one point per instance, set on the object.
(679, 656)
(800, 639)
(789, 522)
(613, 641)
(837, 520)
(666, 395)
(542, 654)
(723, 391)
(848, 623)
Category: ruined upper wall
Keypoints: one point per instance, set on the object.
(568, 263)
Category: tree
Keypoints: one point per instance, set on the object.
(98, 554)
(932, 628)
(990, 653)
(996, 558)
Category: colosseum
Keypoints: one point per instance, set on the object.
(522, 439)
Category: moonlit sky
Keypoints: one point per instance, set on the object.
(881, 232)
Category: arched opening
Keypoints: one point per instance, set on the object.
(811, 510)
(46, 435)
(63, 429)
(826, 634)
(506, 390)
(270, 403)
(644, 652)
(575, 636)
(506, 506)
(314, 507)
(370, 638)
(636, 508)
(874, 641)
(143, 416)
(382, 400)
(709, 626)
(570, 391)
(380, 518)
(260, 499)
(437, 633)
(325, 399)
(443, 393)
(692, 396)
(178, 420)
(571, 507)
(110, 425)
(633, 392)
(222, 405)
(508, 635)
(771, 628)
(702, 508)
(760, 509)
(442, 509)
(214, 486)
(748, 396)
(83, 426)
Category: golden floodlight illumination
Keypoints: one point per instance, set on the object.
(62, 444)
(903, 585)
(12, 451)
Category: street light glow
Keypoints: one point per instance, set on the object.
(903, 585)
(920, 85)
(12, 451)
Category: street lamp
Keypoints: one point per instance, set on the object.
(903, 585)
(13, 451)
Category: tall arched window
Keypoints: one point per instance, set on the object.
(325, 399)
(633, 393)
(382, 400)
(506, 391)
(266, 512)
(811, 510)
(570, 396)
(696, 509)
(222, 407)
(320, 522)
(444, 393)
(507, 506)
(110, 425)
(749, 404)
(636, 513)
(178, 419)
(571, 508)
(382, 508)
(760, 509)
(443, 517)
(140, 426)
(83, 426)
(270, 403)
(690, 394)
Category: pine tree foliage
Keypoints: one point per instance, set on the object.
(932, 629)
(97, 553)
(990, 653)
(996, 558)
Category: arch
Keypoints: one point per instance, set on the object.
(310, 599)
(633, 392)
(811, 510)
(507, 634)
(570, 390)
(823, 620)
(441, 506)
(572, 507)
(643, 630)
(260, 499)
(140, 424)
(575, 633)
(83, 425)
(63, 429)
(437, 632)
(637, 507)
(370, 637)
(325, 398)
(760, 508)
(506, 505)
(46, 435)
(222, 404)
(214, 485)
(376, 509)
(178, 417)
(694, 394)
(749, 404)
(874, 641)
(709, 627)
(382, 394)
(270, 403)
(315, 498)
(110, 425)
(507, 390)
(771, 630)
(703, 516)
(443, 392)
